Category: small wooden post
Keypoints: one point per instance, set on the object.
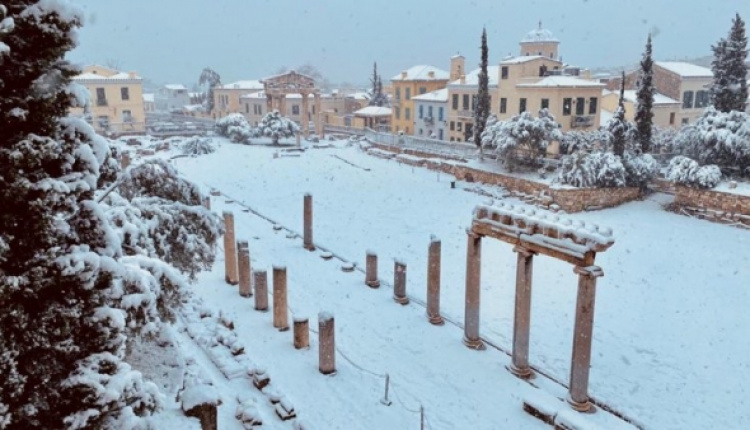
(280, 317)
(433, 282)
(326, 344)
(371, 271)
(399, 283)
(230, 250)
(243, 255)
(260, 280)
(125, 160)
(301, 333)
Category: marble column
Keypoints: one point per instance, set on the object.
(326, 344)
(280, 317)
(399, 283)
(301, 333)
(371, 270)
(473, 286)
(307, 241)
(433, 282)
(260, 281)
(243, 257)
(230, 251)
(318, 117)
(522, 314)
(578, 396)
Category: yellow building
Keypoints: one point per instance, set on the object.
(414, 81)
(117, 105)
(665, 109)
(227, 97)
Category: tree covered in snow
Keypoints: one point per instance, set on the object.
(721, 138)
(70, 298)
(198, 146)
(729, 90)
(275, 126)
(662, 140)
(644, 116)
(594, 169)
(212, 79)
(482, 109)
(377, 96)
(235, 128)
(685, 171)
(523, 136)
(618, 127)
(574, 141)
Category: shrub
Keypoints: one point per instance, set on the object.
(596, 169)
(235, 128)
(685, 171)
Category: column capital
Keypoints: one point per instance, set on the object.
(524, 251)
(471, 233)
(589, 271)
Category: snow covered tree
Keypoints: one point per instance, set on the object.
(212, 79)
(275, 126)
(377, 97)
(523, 136)
(198, 146)
(618, 126)
(721, 138)
(574, 141)
(729, 89)
(595, 169)
(685, 171)
(235, 128)
(482, 109)
(644, 116)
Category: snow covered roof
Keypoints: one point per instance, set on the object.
(422, 73)
(434, 96)
(659, 99)
(563, 81)
(253, 84)
(359, 96)
(175, 87)
(686, 70)
(472, 79)
(524, 59)
(90, 76)
(148, 97)
(373, 111)
(539, 35)
(262, 95)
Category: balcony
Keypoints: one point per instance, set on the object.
(466, 113)
(101, 102)
(581, 121)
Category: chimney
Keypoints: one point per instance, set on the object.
(431, 74)
(403, 74)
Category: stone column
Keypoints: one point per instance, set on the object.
(399, 283)
(301, 333)
(371, 270)
(326, 344)
(260, 281)
(433, 282)
(578, 396)
(230, 251)
(280, 317)
(522, 314)
(125, 160)
(307, 242)
(243, 257)
(473, 286)
(282, 104)
(306, 114)
(318, 116)
(269, 103)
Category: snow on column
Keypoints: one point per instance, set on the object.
(307, 242)
(260, 281)
(243, 255)
(399, 283)
(305, 115)
(433, 282)
(301, 333)
(230, 251)
(280, 317)
(473, 278)
(326, 344)
(578, 396)
(371, 271)
(522, 314)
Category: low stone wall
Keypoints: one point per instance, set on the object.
(567, 199)
(717, 206)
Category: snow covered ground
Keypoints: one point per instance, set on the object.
(670, 337)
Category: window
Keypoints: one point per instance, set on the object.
(125, 93)
(101, 97)
(247, 107)
(455, 101)
(398, 93)
(452, 126)
(398, 112)
(522, 105)
(687, 100)
(701, 99)
(440, 134)
(429, 111)
(407, 93)
(422, 90)
(440, 113)
(567, 103)
(127, 116)
(504, 72)
(545, 103)
(421, 112)
(295, 109)
(459, 124)
(466, 102)
(407, 113)
(420, 131)
(103, 121)
(671, 118)
(580, 105)
(474, 102)
(593, 102)
(684, 121)
(503, 105)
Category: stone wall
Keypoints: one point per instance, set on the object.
(567, 199)
(712, 205)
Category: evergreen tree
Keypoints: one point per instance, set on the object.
(644, 116)
(212, 79)
(374, 79)
(618, 127)
(729, 89)
(377, 98)
(482, 109)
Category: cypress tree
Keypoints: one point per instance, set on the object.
(618, 127)
(644, 115)
(729, 89)
(482, 109)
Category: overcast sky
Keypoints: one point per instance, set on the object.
(170, 41)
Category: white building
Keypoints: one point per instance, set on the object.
(172, 97)
(431, 110)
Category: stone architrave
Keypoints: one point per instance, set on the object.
(280, 316)
(399, 283)
(260, 281)
(230, 251)
(433, 282)
(583, 331)
(473, 279)
(326, 344)
(522, 315)
(307, 241)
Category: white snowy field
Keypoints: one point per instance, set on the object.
(670, 337)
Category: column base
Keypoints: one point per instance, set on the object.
(435, 319)
(283, 328)
(401, 300)
(328, 372)
(232, 281)
(523, 373)
(586, 406)
(247, 296)
(373, 284)
(262, 310)
(477, 344)
(309, 247)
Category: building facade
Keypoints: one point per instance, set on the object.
(227, 97)
(409, 83)
(172, 97)
(431, 114)
(117, 104)
(665, 109)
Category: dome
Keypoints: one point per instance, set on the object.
(539, 35)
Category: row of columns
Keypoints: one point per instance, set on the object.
(278, 102)
(584, 319)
